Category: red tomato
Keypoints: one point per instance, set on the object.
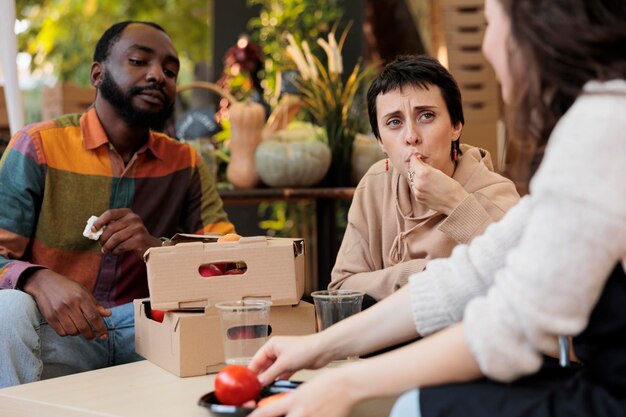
(157, 315)
(209, 270)
(236, 384)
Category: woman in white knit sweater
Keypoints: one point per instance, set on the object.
(553, 266)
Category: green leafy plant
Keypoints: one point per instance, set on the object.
(306, 19)
(329, 100)
(221, 154)
(287, 219)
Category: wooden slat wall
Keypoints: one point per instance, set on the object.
(463, 26)
(456, 29)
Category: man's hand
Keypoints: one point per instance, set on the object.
(66, 305)
(124, 232)
(433, 188)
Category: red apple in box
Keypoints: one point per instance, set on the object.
(157, 315)
(210, 270)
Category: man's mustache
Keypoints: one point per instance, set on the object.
(138, 90)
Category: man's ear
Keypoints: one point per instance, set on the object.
(96, 74)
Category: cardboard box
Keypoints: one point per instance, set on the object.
(190, 344)
(275, 271)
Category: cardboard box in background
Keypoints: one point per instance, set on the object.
(275, 271)
(190, 344)
(460, 32)
(65, 98)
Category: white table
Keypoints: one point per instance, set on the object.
(135, 390)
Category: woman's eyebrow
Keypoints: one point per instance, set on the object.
(425, 107)
(418, 108)
(393, 113)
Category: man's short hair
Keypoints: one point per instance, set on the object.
(112, 35)
(418, 71)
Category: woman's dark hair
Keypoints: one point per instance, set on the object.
(558, 46)
(420, 71)
(112, 35)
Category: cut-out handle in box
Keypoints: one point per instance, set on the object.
(222, 268)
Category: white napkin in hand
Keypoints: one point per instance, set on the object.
(88, 233)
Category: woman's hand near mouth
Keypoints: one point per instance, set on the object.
(433, 188)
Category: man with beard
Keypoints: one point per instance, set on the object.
(65, 300)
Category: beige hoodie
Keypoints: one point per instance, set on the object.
(385, 242)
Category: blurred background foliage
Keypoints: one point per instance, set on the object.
(60, 35)
(305, 19)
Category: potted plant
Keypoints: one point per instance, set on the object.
(329, 100)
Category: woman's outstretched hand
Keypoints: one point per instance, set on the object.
(330, 394)
(282, 356)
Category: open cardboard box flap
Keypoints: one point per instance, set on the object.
(189, 344)
(275, 270)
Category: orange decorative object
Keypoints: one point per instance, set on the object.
(229, 237)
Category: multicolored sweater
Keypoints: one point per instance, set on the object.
(54, 175)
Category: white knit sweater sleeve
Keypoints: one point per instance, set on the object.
(573, 238)
(440, 294)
